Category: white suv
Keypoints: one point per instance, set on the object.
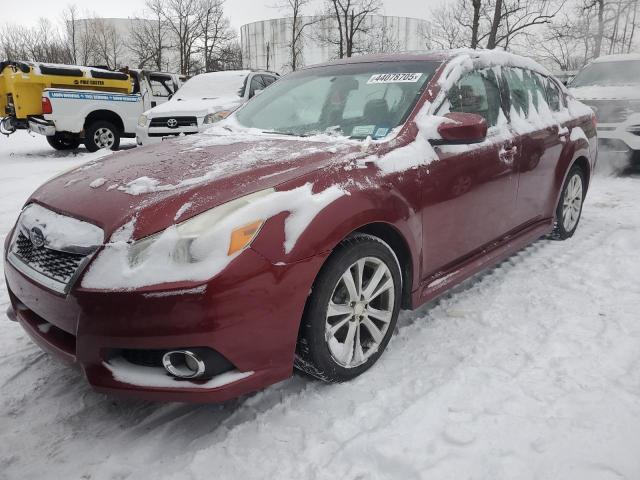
(202, 101)
(610, 85)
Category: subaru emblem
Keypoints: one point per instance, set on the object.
(37, 237)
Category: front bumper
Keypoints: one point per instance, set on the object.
(250, 314)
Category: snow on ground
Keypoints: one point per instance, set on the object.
(529, 371)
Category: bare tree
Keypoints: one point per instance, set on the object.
(182, 19)
(446, 31)
(149, 37)
(109, 45)
(492, 23)
(349, 18)
(298, 26)
(216, 32)
(229, 57)
(70, 19)
(42, 43)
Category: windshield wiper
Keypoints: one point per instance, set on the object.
(290, 134)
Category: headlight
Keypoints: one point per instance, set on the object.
(142, 121)
(216, 117)
(223, 228)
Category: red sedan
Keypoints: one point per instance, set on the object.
(293, 232)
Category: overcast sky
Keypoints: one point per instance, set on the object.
(239, 11)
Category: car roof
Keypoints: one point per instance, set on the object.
(490, 57)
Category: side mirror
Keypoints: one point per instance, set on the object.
(462, 128)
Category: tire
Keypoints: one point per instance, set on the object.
(569, 207)
(101, 134)
(63, 142)
(324, 348)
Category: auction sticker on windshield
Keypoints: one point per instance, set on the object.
(394, 78)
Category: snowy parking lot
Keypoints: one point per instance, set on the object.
(528, 371)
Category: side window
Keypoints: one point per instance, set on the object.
(268, 80)
(518, 92)
(540, 93)
(160, 86)
(256, 84)
(553, 96)
(477, 92)
(530, 84)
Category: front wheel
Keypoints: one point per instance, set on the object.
(569, 207)
(63, 142)
(352, 311)
(101, 135)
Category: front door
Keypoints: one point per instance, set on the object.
(470, 191)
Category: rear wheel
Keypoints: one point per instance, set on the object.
(63, 142)
(569, 206)
(101, 135)
(352, 311)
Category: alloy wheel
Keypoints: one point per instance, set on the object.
(572, 203)
(359, 312)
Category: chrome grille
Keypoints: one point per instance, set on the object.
(180, 122)
(59, 266)
(52, 249)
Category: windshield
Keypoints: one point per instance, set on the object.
(212, 85)
(356, 100)
(609, 73)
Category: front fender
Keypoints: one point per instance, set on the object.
(337, 220)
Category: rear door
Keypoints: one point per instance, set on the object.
(541, 140)
(470, 192)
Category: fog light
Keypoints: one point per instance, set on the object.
(183, 364)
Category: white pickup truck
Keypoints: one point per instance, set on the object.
(101, 119)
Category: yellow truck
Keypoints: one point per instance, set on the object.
(71, 105)
(22, 85)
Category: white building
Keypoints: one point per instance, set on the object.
(265, 43)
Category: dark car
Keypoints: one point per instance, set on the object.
(291, 234)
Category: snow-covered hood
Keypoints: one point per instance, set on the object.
(198, 108)
(160, 185)
(607, 92)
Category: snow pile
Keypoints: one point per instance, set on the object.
(121, 266)
(98, 182)
(59, 230)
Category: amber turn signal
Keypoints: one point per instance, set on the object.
(242, 236)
